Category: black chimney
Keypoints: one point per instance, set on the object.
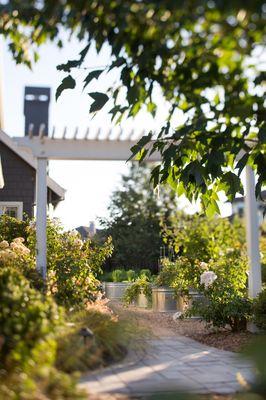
(36, 109)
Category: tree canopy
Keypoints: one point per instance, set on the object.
(136, 214)
(202, 57)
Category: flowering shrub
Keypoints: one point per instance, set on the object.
(73, 270)
(224, 288)
(18, 256)
(207, 278)
(72, 264)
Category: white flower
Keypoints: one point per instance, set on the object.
(203, 265)
(4, 244)
(207, 278)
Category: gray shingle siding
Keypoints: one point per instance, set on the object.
(19, 180)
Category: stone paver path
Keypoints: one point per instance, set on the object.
(172, 364)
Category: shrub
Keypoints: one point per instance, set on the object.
(16, 255)
(260, 310)
(27, 322)
(11, 228)
(72, 264)
(141, 285)
(200, 238)
(28, 326)
(180, 274)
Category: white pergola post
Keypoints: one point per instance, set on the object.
(252, 234)
(41, 216)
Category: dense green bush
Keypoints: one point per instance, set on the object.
(11, 228)
(226, 293)
(29, 323)
(24, 314)
(224, 307)
(200, 238)
(214, 247)
(260, 310)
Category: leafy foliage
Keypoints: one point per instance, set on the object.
(12, 228)
(29, 323)
(198, 237)
(201, 56)
(134, 221)
(225, 307)
(141, 285)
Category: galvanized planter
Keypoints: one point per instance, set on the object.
(185, 302)
(142, 301)
(164, 299)
(115, 290)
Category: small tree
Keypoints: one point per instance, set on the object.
(135, 215)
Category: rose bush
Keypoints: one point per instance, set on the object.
(73, 265)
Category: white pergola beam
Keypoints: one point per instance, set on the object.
(80, 149)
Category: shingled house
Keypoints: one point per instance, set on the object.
(17, 196)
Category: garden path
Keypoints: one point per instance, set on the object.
(169, 363)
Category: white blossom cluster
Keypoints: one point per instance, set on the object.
(13, 250)
(207, 278)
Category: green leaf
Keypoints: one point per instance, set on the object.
(212, 208)
(92, 75)
(67, 66)
(67, 83)
(232, 185)
(242, 163)
(139, 146)
(100, 100)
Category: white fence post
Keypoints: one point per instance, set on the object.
(41, 216)
(252, 234)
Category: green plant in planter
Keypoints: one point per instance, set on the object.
(141, 285)
(259, 309)
(119, 275)
(180, 274)
(145, 272)
(131, 275)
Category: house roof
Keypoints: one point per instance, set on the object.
(29, 159)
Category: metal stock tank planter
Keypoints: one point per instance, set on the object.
(115, 290)
(164, 299)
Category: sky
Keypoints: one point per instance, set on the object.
(88, 184)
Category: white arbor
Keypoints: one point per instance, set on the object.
(50, 148)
